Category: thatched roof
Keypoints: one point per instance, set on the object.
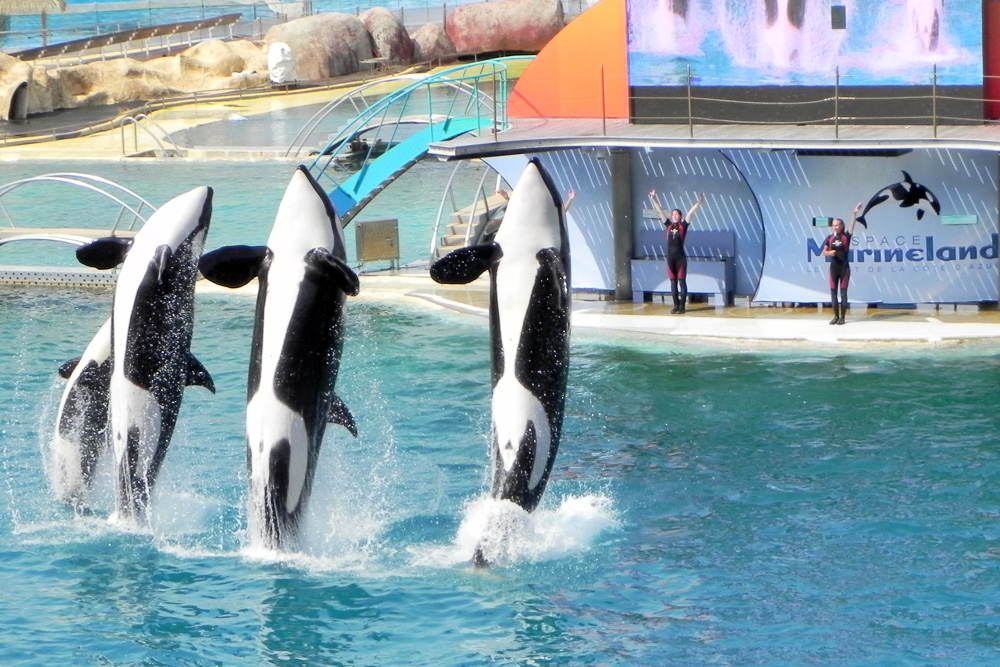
(18, 7)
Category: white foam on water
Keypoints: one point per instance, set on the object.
(507, 535)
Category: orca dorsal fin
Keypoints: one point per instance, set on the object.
(234, 265)
(338, 413)
(465, 264)
(197, 375)
(104, 253)
(325, 261)
(67, 369)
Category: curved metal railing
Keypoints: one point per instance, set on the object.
(465, 95)
(132, 209)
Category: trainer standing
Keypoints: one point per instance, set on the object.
(677, 227)
(835, 247)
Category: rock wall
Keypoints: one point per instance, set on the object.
(323, 46)
(431, 42)
(389, 37)
(504, 25)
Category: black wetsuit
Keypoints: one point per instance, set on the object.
(840, 270)
(677, 263)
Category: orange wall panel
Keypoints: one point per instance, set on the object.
(581, 73)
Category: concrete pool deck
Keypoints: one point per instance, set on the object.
(925, 325)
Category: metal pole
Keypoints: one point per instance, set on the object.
(836, 103)
(934, 99)
(690, 115)
(604, 106)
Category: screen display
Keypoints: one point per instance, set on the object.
(804, 42)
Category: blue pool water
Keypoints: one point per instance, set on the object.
(709, 505)
(246, 196)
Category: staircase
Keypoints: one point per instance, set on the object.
(484, 217)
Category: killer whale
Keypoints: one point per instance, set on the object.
(783, 32)
(907, 193)
(152, 323)
(295, 351)
(924, 17)
(81, 420)
(529, 317)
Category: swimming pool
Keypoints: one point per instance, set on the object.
(709, 504)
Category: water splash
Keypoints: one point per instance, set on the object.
(751, 42)
(507, 535)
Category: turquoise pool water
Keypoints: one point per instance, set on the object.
(244, 204)
(709, 505)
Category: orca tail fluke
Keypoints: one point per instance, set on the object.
(861, 219)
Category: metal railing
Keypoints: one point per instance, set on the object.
(468, 97)
(700, 103)
(135, 122)
(128, 201)
(124, 37)
(88, 20)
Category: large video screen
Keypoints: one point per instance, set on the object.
(804, 42)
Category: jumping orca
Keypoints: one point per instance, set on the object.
(925, 18)
(295, 351)
(151, 327)
(783, 33)
(81, 421)
(907, 194)
(530, 304)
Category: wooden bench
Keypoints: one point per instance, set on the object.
(711, 268)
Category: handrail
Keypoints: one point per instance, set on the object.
(449, 193)
(125, 36)
(449, 78)
(699, 100)
(437, 221)
(87, 182)
(480, 196)
(298, 141)
(134, 122)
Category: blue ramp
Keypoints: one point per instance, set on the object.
(378, 173)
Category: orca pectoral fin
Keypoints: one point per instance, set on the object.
(341, 414)
(95, 376)
(549, 259)
(197, 375)
(325, 261)
(104, 253)
(232, 266)
(67, 369)
(875, 201)
(465, 264)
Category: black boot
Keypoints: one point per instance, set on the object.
(836, 315)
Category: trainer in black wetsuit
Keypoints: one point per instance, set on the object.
(677, 228)
(835, 247)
